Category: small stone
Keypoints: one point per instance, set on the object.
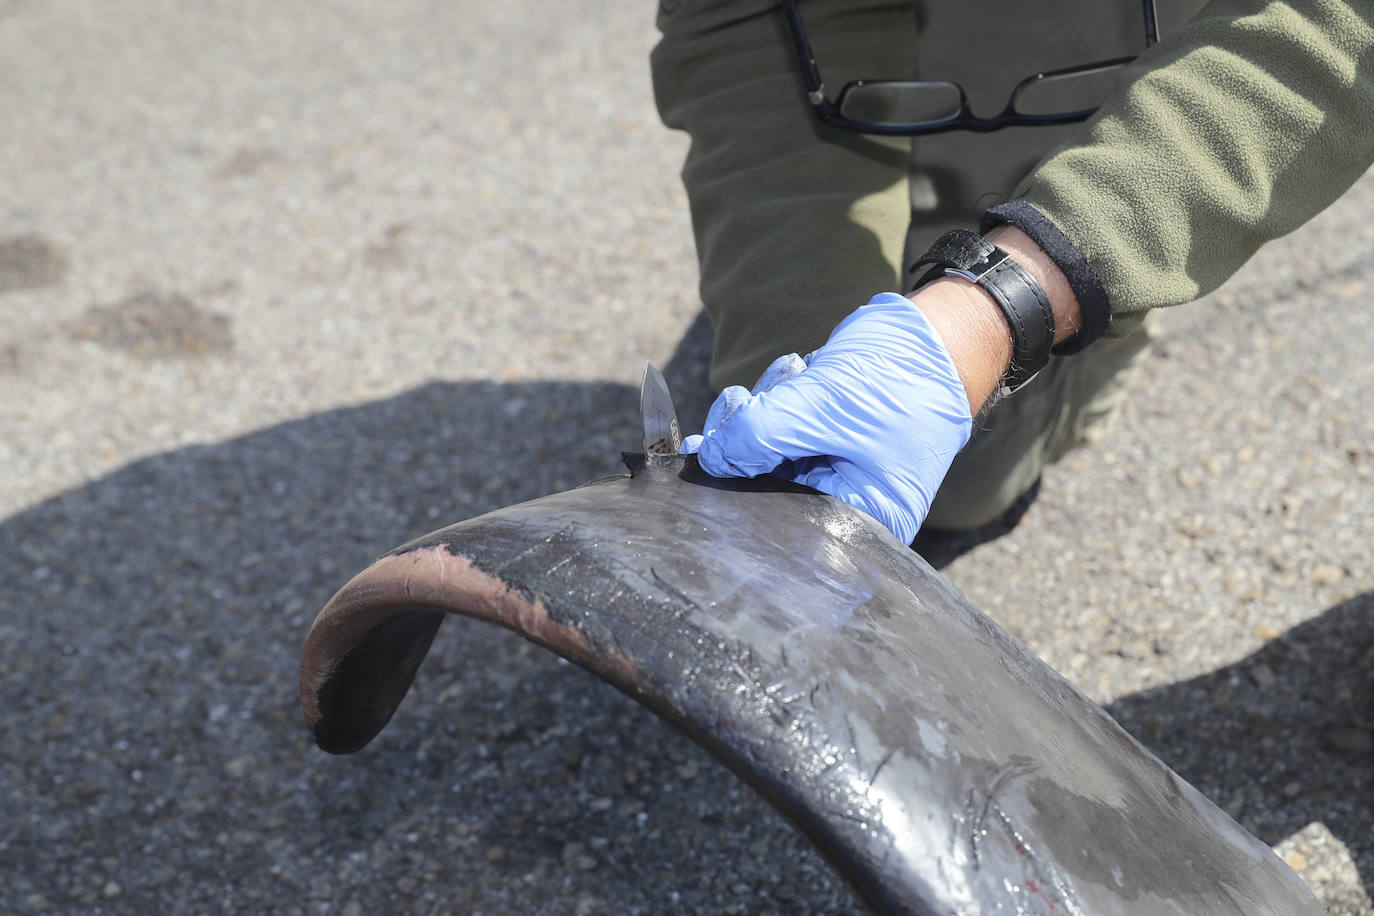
(353, 908)
(1296, 860)
(1263, 675)
(111, 890)
(687, 771)
(584, 863)
(1135, 650)
(601, 804)
(1292, 789)
(495, 853)
(1267, 632)
(571, 851)
(405, 884)
(1326, 573)
(1187, 477)
(36, 902)
(585, 907)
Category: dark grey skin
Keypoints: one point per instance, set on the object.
(939, 765)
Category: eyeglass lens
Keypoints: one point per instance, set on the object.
(901, 102)
(1060, 93)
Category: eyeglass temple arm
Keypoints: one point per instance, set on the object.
(815, 89)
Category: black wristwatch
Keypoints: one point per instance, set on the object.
(966, 254)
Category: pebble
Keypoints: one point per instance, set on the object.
(495, 853)
(1326, 573)
(111, 890)
(1296, 860)
(1135, 650)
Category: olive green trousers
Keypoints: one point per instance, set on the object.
(798, 223)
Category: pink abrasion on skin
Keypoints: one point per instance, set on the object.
(432, 578)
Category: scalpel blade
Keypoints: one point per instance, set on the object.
(661, 433)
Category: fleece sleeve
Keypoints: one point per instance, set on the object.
(1232, 131)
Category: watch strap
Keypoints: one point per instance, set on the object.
(1026, 307)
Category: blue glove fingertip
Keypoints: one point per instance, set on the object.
(725, 406)
(781, 369)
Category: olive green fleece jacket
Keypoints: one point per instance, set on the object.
(1232, 131)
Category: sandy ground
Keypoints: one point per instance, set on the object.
(286, 284)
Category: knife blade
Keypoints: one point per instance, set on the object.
(662, 436)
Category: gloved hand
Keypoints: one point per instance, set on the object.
(873, 418)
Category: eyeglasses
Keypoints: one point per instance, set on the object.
(911, 107)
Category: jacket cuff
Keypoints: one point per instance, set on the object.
(1092, 296)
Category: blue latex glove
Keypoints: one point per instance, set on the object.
(873, 418)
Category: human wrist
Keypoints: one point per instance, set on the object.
(1068, 314)
(973, 330)
(974, 327)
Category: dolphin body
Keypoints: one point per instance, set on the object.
(939, 765)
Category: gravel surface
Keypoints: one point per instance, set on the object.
(286, 284)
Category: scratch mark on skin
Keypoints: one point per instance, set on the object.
(853, 739)
(538, 545)
(1055, 883)
(978, 825)
(683, 602)
(873, 777)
